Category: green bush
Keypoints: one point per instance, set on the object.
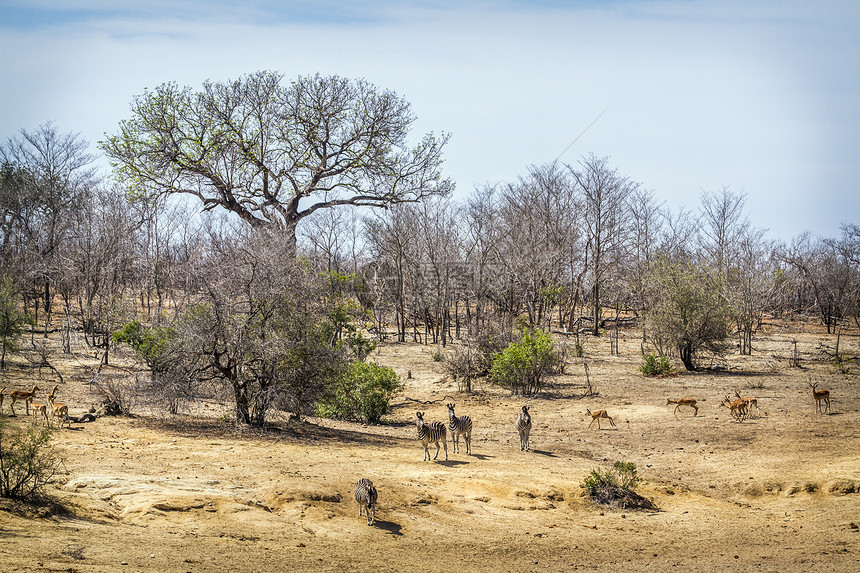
(363, 393)
(655, 366)
(615, 486)
(152, 344)
(27, 460)
(522, 365)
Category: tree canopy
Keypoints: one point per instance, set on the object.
(274, 153)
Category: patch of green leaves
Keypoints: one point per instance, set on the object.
(655, 366)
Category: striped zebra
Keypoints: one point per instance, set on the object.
(432, 433)
(461, 425)
(365, 495)
(524, 426)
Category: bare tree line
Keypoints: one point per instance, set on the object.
(564, 247)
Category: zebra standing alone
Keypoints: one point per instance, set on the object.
(365, 495)
(432, 433)
(461, 425)
(524, 426)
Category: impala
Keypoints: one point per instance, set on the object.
(683, 402)
(751, 401)
(597, 416)
(40, 408)
(738, 408)
(16, 395)
(820, 396)
(61, 411)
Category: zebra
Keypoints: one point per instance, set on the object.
(524, 426)
(432, 433)
(365, 495)
(461, 425)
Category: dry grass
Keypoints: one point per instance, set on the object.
(776, 492)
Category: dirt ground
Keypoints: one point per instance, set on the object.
(776, 492)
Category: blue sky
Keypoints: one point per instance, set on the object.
(760, 97)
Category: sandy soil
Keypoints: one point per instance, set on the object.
(777, 492)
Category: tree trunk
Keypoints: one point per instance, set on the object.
(243, 409)
(686, 352)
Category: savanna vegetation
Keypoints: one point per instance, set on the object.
(264, 251)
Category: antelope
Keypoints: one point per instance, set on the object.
(750, 400)
(597, 416)
(16, 395)
(2, 397)
(683, 402)
(61, 411)
(820, 395)
(40, 408)
(738, 407)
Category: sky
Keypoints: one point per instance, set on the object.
(683, 96)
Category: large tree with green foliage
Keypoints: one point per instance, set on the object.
(274, 153)
(687, 312)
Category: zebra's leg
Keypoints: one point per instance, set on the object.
(468, 440)
(445, 443)
(455, 437)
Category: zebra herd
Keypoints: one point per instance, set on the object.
(437, 433)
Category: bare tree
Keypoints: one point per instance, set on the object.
(831, 275)
(390, 242)
(46, 179)
(604, 194)
(481, 254)
(539, 214)
(722, 225)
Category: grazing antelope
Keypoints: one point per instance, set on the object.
(460, 425)
(432, 433)
(738, 408)
(524, 428)
(365, 495)
(820, 396)
(751, 401)
(597, 416)
(60, 410)
(16, 395)
(683, 402)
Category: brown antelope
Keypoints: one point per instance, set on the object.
(597, 416)
(61, 411)
(683, 402)
(40, 408)
(16, 395)
(738, 408)
(751, 401)
(820, 396)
